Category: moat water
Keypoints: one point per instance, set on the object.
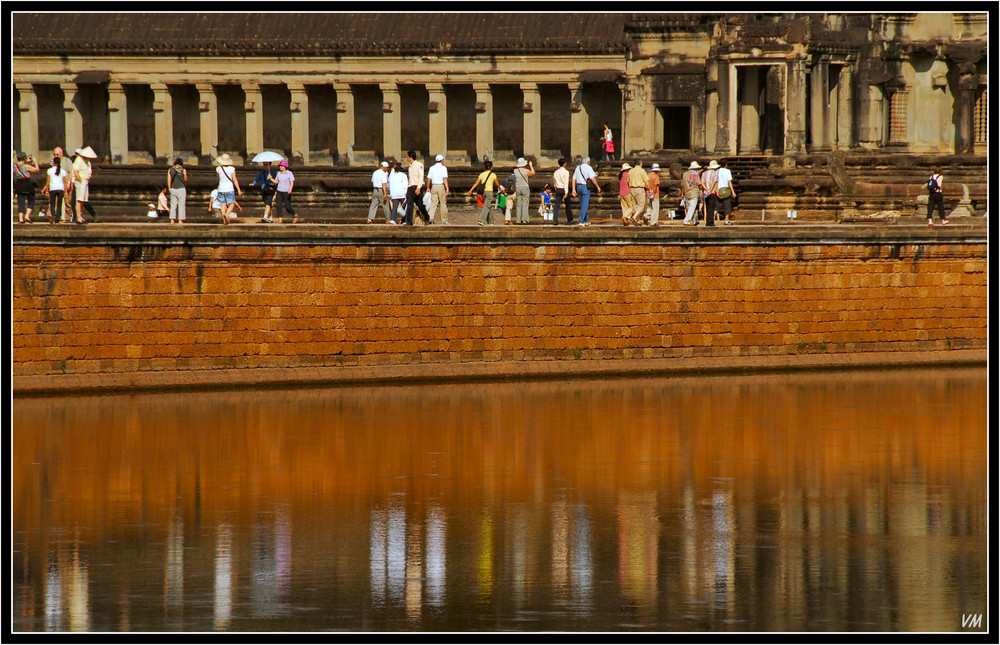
(802, 502)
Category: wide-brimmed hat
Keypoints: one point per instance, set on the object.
(655, 167)
(521, 162)
(224, 159)
(151, 205)
(694, 166)
(713, 164)
(625, 166)
(87, 152)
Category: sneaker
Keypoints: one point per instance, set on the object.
(393, 223)
(945, 222)
(371, 222)
(930, 222)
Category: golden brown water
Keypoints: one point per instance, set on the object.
(819, 502)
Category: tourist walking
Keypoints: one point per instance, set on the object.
(380, 192)
(522, 171)
(266, 182)
(437, 184)
(725, 193)
(935, 198)
(562, 192)
(229, 185)
(177, 177)
(66, 164)
(607, 144)
(82, 172)
(415, 175)
(397, 192)
(638, 184)
(625, 194)
(709, 188)
(654, 194)
(691, 191)
(56, 179)
(488, 183)
(24, 188)
(283, 193)
(583, 176)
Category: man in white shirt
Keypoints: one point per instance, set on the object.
(415, 176)
(582, 177)
(437, 184)
(560, 182)
(380, 192)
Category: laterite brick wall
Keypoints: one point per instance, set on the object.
(113, 307)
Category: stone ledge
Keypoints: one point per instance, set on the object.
(98, 383)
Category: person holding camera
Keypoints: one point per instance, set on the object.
(24, 188)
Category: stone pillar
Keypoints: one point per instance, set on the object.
(722, 112)
(634, 121)
(74, 120)
(299, 108)
(820, 104)
(532, 108)
(579, 123)
(118, 117)
(795, 114)
(392, 136)
(345, 123)
(28, 108)
(711, 104)
(208, 110)
(749, 111)
(965, 105)
(437, 117)
(845, 109)
(484, 121)
(253, 105)
(163, 123)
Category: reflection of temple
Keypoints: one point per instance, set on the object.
(350, 88)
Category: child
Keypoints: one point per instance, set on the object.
(163, 205)
(215, 206)
(153, 213)
(545, 208)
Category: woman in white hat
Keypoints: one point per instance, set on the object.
(625, 194)
(229, 186)
(82, 172)
(691, 190)
(522, 171)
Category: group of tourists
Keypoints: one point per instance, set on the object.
(67, 186)
(708, 193)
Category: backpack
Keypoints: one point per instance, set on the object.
(932, 185)
(511, 185)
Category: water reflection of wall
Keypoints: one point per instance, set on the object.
(761, 503)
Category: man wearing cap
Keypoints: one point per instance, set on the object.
(560, 180)
(690, 188)
(415, 177)
(437, 184)
(380, 192)
(638, 184)
(582, 177)
(82, 171)
(710, 188)
(654, 194)
(522, 171)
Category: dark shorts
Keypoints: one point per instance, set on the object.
(726, 205)
(267, 196)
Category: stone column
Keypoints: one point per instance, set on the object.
(208, 111)
(749, 111)
(28, 108)
(484, 121)
(722, 111)
(163, 123)
(532, 108)
(579, 123)
(845, 111)
(392, 136)
(965, 106)
(253, 105)
(820, 103)
(437, 117)
(711, 104)
(795, 110)
(118, 117)
(74, 120)
(299, 108)
(345, 123)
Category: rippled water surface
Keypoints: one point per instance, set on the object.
(821, 502)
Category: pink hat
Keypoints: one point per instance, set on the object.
(284, 163)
